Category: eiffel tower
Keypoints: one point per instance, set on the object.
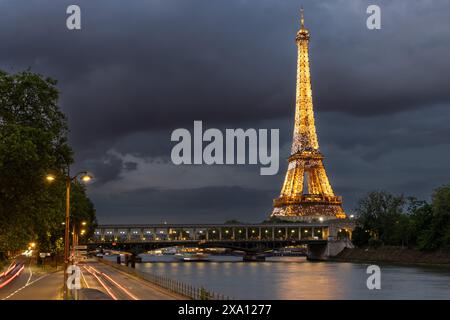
(306, 194)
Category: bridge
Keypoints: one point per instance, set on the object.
(319, 237)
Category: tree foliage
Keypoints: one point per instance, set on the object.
(396, 220)
(33, 142)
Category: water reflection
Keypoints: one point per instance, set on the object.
(296, 278)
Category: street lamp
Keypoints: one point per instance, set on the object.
(85, 177)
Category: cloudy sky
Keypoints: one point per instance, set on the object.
(139, 69)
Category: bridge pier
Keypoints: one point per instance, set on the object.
(321, 252)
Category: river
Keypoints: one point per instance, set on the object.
(296, 278)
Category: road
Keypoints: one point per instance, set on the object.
(99, 282)
(32, 284)
(118, 285)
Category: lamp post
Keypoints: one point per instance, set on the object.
(85, 177)
(75, 236)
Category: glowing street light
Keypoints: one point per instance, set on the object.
(85, 177)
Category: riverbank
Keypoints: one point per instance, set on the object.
(398, 255)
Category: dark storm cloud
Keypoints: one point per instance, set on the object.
(106, 168)
(183, 206)
(156, 65)
(138, 70)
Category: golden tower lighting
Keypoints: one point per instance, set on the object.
(315, 200)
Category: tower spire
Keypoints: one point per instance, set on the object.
(302, 17)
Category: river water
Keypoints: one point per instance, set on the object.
(296, 278)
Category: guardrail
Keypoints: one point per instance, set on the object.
(175, 286)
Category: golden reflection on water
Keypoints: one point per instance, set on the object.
(314, 282)
(296, 278)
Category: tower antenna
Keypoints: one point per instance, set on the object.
(302, 17)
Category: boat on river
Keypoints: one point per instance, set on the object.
(192, 256)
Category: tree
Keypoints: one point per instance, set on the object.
(82, 210)
(437, 232)
(33, 142)
(424, 225)
(360, 236)
(380, 213)
(421, 215)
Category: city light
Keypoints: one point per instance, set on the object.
(50, 178)
(86, 178)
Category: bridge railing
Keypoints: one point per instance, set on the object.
(175, 286)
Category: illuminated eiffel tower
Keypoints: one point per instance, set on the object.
(306, 194)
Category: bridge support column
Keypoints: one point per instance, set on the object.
(319, 252)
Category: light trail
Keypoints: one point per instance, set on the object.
(11, 267)
(20, 289)
(102, 284)
(12, 277)
(84, 279)
(121, 287)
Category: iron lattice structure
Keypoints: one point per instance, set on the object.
(306, 193)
